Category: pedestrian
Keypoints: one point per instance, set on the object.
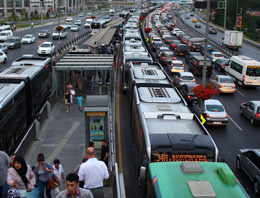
(70, 87)
(43, 172)
(32, 24)
(104, 152)
(73, 189)
(108, 49)
(79, 80)
(91, 144)
(80, 100)
(67, 99)
(21, 176)
(92, 173)
(59, 172)
(14, 26)
(117, 46)
(4, 163)
(112, 48)
(72, 94)
(76, 170)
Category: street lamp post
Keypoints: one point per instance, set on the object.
(225, 15)
(205, 53)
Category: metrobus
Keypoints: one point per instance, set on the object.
(95, 26)
(192, 179)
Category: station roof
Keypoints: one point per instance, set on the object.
(79, 61)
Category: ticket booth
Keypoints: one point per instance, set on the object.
(96, 113)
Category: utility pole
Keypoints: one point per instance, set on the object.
(236, 16)
(225, 15)
(205, 53)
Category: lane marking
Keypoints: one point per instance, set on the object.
(63, 142)
(235, 123)
(240, 93)
(118, 111)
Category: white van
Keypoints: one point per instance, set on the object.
(5, 27)
(244, 70)
(5, 34)
(88, 23)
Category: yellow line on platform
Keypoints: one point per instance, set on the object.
(118, 111)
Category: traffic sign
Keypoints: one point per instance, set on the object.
(202, 119)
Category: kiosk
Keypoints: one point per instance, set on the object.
(96, 113)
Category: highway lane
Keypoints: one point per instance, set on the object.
(239, 133)
(246, 49)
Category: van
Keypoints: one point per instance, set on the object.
(59, 34)
(244, 70)
(5, 34)
(5, 27)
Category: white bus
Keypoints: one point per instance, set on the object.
(244, 70)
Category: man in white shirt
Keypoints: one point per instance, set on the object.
(93, 172)
(59, 172)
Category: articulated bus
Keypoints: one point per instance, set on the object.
(164, 128)
(30, 78)
(97, 25)
(193, 179)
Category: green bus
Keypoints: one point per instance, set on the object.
(192, 179)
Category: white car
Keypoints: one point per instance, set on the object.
(175, 30)
(74, 28)
(28, 38)
(46, 48)
(77, 22)
(3, 57)
(183, 78)
(215, 56)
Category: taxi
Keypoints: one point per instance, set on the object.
(194, 20)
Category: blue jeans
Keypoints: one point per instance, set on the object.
(3, 190)
(43, 185)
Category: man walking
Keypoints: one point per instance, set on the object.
(73, 190)
(92, 173)
(4, 162)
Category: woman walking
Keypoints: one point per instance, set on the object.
(21, 176)
(66, 99)
(43, 172)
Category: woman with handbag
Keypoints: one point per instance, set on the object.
(43, 173)
(20, 176)
(66, 99)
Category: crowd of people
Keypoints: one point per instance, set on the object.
(86, 181)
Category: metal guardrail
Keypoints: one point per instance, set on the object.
(254, 44)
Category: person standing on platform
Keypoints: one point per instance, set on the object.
(4, 161)
(59, 172)
(73, 190)
(80, 100)
(104, 152)
(67, 99)
(92, 173)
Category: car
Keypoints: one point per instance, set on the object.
(194, 20)
(213, 30)
(175, 44)
(28, 38)
(169, 39)
(156, 46)
(69, 25)
(187, 93)
(81, 14)
(251, 110)
(161, 50)
(106, 17)
(13, 42)
(74, 28)
(169, 16)
(69, 19)
(220, 64)
(3, 57)
(196, 65)
(181, 50)
(5, 34)
(59, 34)
(44, 34)
(166, 57)
(175, 30)
(183, 78)
(46, 48)
(194, 47)
(197, 25)
(77, 22)
(187, 17)
(214, 112)
(223, 83)
(155, 39)
(213, 56)
(175, 66)
(185, 39)
(210, 49)
(180, 35)
(190, 54)
(89, 14)
(248, 161)
(3, 48)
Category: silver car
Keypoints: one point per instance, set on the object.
(251, 110)
(183, 78)
(3, 48)
(248, 160)
(213, 56)
(214, 112)
(224, 84)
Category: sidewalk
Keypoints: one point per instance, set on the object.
(62, 136)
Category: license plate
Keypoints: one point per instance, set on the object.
(217, 123)
(180, 53)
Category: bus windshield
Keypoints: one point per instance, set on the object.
(253, 71)
(95, 25)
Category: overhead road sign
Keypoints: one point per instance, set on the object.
(203, 4)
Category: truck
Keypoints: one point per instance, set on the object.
(112, 12)
(232, 39)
